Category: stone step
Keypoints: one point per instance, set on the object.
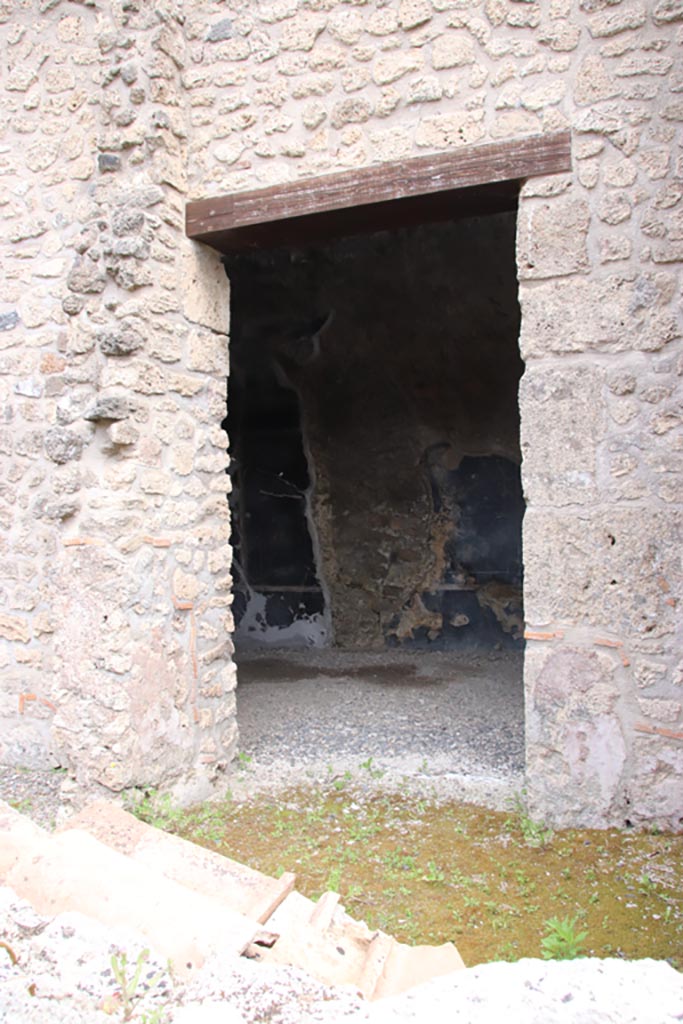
(407, 966)
(234, 885)
(72, 870)
(189, 902)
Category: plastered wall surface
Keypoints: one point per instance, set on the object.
(114, 556)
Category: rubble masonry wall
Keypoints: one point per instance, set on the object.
(114, 556)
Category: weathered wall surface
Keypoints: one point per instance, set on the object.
(114, 596)
(113, 114)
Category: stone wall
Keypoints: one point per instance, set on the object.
(114, 602)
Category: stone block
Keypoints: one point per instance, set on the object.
(62, 445)
(603, 568)
(15, 628)
(351, 111)
(593, 81)
(205, 290)
(392, 66)
(611, 314)
(412, 13)
(108, 407)
(610, 23)
(552, 237)
(346, 26)
(562, 417)
(208, 353)
(452, 51)
(86, 277)
(667, 11)
(443, 131)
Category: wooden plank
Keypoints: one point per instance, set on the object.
(379, 184)
(359, 220)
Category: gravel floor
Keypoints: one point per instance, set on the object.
(435, 722)
(445, 722)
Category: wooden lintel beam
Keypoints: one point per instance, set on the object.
(420, 176)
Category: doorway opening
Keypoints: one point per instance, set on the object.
(374, 396)
(377, 504)
(374, 432)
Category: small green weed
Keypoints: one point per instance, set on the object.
(129, 983)
(434, 873)
(155, 809)
(368, 766)
(562, 940)
(534, 833)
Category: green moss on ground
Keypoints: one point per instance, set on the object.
(429, 871)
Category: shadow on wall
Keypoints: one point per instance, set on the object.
(375, 435)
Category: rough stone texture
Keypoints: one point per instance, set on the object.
(64, 976)
(113, 116)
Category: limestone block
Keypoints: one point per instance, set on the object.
(562, 421)
(382, 22)
(602, 568)
(610, 23)
(13, 627)
(392, 66)
(412, 13)
(649, 673)
(108, 407)
(614, 249)
(612, 314)
(122, 434)
(512, 123)
(544, 95)
(62, 445)
(660, 710)
(593, 82)
(182, 459)
(186, 587)
(302, 32)
(86, 277)
(445, 130)
(328, 58)
(667, 11)
(346, 26)
(552, 237)
(643, 64)
(154, 481)
(208, 353)
(313, 115)
(351, 111)
(452, 51)
(614, 208)
(425, 89)
(205, 293)
(562, 37)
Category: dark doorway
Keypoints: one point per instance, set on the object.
(374, 430)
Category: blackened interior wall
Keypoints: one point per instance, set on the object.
(391, 363)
